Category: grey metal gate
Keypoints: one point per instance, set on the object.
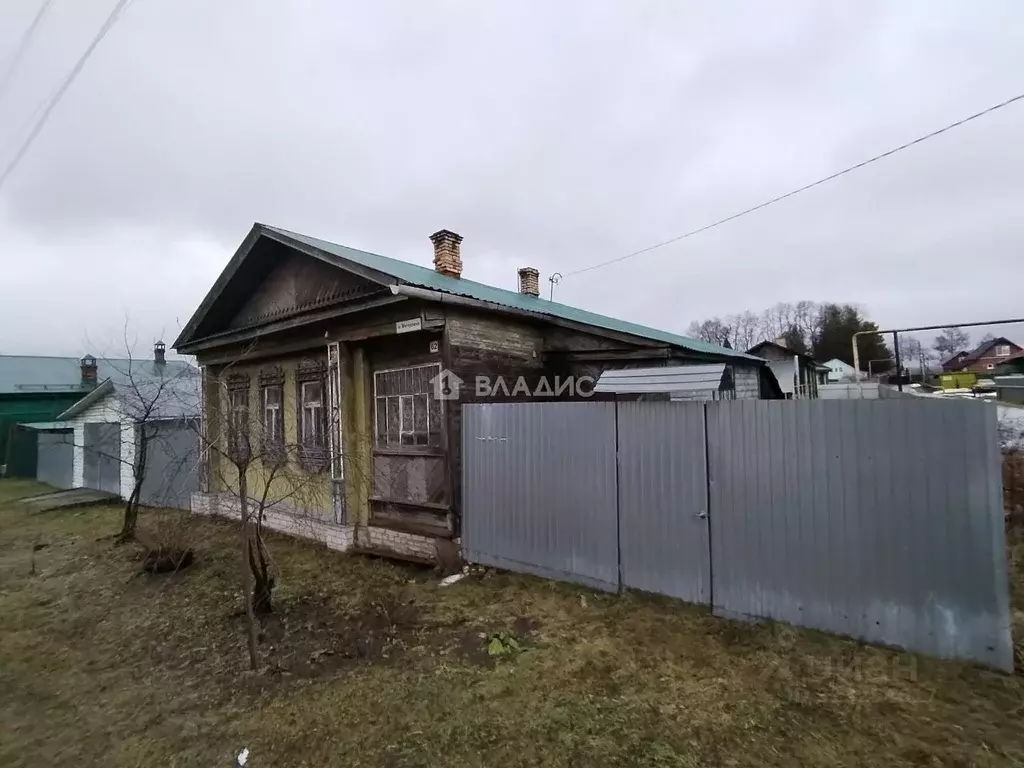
(539, 490)
(663, 499)
(55, 455)
(172, 464)
(102, 457)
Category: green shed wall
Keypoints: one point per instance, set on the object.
(27, 407)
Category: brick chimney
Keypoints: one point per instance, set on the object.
(159, 350)
(89, 370)
(529, 281)
(447, 259)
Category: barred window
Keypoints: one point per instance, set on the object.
(406, 413)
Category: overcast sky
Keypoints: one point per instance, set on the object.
(553, 135)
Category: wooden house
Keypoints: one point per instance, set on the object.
(360, 362)
(798, 374)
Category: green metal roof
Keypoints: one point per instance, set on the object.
(35, 374)
(423, 277)
(24, 374)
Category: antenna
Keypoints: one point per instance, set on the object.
(555, 279)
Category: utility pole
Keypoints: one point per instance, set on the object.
(899, 368)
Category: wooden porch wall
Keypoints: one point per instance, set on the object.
(409, 486)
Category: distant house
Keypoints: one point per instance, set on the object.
(798, 375)
(955, 363)
(94, 441)
(984, 358)
(840, 371)
(36, 388)
(152, 402)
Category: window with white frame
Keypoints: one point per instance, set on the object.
(406, 413)
(312, 415)
(273, 416)
(272, 412)
(1003, 350)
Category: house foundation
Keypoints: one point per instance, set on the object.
(310, 524)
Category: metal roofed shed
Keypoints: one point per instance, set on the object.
(716, 381)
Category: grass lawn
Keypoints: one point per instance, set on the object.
(367, 663)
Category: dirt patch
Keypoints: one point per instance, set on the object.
(525, 626)
(309, 638)
(167, 560)
(472, 647)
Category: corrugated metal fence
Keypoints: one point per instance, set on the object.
(172, 464)
(880, 519)
(555, 467)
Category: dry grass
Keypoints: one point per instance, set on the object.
(370, 663)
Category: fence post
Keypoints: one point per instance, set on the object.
(708, 510)
(618, 501)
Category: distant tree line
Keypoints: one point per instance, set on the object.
(823, 331)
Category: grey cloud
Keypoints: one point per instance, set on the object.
(551, 134)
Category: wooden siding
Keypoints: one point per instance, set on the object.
(747, 382)
(299, 283)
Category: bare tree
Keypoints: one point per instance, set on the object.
(150, 392)
(915, 355)
(145, 392)
(714, 331)
(952, 340)
(254, 460)
(746, 329)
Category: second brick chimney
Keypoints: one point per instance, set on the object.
(529, 281)
(89, 371)
(447, 259)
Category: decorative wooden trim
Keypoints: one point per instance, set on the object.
(236, 381)
(271, 376)
(311, 369)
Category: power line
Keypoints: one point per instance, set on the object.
(107, 26)
(23, 44)
(804, 188)
(15, 136)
